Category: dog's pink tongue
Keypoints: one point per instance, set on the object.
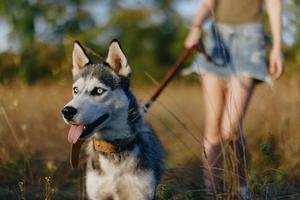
(74, 133)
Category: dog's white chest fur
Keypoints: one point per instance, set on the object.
(119, 180)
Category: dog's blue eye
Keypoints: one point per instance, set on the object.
(97, 91)
(75, 90)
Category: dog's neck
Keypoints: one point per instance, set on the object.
(102, 146)
(115, 145)
(114, 135)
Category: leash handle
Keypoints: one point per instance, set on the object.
(201, 49)
(168, 77)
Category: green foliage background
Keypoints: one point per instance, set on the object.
(152, 35)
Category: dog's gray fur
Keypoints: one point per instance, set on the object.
(134, 172)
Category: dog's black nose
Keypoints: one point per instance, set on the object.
(69, 112)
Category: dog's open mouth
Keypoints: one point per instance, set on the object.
(81, 131)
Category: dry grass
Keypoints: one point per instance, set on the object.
(33, 142)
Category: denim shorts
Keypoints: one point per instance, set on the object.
(246, 48)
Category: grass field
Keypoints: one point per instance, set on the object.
(34, 151)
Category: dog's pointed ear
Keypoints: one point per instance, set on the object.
(117, 59)
(79, 58)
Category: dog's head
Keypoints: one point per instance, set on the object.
(100, 95)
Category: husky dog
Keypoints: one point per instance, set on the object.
(125, 160)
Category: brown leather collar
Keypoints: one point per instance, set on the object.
(104, 146)
(99, 145)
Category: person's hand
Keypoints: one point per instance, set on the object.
(276, 67)
(193, 37)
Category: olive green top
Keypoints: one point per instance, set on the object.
(238, 11)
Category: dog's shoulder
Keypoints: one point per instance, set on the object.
(151, 154)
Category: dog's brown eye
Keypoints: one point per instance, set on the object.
(75, 90)
(97, 91)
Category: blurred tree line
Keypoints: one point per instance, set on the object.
(42, 34)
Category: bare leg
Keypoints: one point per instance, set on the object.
(213, 94)
(238, 95)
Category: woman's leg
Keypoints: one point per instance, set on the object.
(214, 100)
(239, 91)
